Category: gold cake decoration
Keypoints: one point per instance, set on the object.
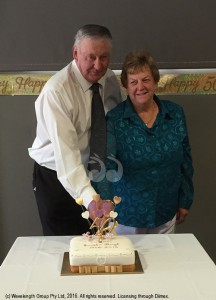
(103, 216)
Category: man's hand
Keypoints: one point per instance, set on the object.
(99, 208)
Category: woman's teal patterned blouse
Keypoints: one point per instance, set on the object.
(157, 164)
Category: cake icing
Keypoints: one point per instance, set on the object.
(101, 250)
(113, 252)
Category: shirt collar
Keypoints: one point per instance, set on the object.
(129, 109)
(85, 85)
(163, 110)
(130, 112)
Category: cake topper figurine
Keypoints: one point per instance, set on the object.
(102, 213)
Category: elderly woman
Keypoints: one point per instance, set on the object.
(149, 137)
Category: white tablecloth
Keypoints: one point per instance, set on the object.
(175, 267)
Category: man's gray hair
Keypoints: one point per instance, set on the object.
(92, 31)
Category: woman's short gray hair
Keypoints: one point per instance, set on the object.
(135, 61)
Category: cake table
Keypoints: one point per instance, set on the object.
(176, 267)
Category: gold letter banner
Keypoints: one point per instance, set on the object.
(22, 84)
(170, 84)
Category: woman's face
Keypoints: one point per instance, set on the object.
(141, 86)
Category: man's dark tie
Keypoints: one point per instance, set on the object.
(98, 129)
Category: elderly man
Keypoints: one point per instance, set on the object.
(61, 148)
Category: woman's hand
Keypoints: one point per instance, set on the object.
(181, 215)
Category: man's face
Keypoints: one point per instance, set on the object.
(92, 57)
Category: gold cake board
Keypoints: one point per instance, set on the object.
(66, 271)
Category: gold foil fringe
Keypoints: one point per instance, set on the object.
(169, 84)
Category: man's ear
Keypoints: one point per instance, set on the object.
(74, 52)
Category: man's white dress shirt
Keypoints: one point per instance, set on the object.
(63, 111)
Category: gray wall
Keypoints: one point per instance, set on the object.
(38, 35)
(201, 220)
(18, 211)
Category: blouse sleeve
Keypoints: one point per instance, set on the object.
(186, 189)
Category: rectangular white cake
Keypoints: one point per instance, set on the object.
(111, 255)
